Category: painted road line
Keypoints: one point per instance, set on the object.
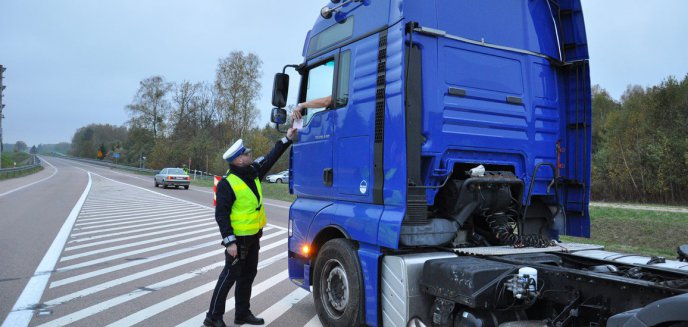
(162, 306)
(212, 209)
(149, 272)
(106, 270)
(229, 305)
(108, 215)
(196, 217)
(129, 245)
(31, 295)
(207, 288)
(109, 203)
(158, 193)
(276, 310)
(132, 253)
(95, 237)
(114, 240)
(155, 223)
(315, 322)
(133, 213)
(55, 170)
(133, 219)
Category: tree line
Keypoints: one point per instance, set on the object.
(174, 124)
(640, 148)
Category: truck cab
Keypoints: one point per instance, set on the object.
(451, 125)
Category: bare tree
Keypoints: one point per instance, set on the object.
(237, 88)
(150, 106)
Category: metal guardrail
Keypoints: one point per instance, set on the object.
(15, 171)
(195, 174)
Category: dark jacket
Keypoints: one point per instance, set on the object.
(225, 195)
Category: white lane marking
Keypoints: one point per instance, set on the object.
(89, 238)
(145, 273)
(166, 231)
(147, 312)
(140, 262)
(134, 252)
(186, 201)
(276, 310)
(134, 211)
(55, 170)
(107, 270)
(155, 223)
(315, 322)
(275, 205)
(229, 305)
(111, 170)
(118, 222)
(31, 295)
(181, 200)
(135, 214)
(129, 245)
(115, 240)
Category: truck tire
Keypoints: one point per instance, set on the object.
(338, 285)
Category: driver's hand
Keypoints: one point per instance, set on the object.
(296, 114)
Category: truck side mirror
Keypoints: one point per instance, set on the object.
(280, 90)
(278, 116)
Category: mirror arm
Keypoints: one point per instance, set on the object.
(277, 127)
(298, 68)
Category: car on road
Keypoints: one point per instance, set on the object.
(172, 177)
(281, 177)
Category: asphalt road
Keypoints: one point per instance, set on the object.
(84, 245)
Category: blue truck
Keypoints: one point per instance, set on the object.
(454, 152)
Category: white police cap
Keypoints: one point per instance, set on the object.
(235, 150)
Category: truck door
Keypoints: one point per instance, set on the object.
(312, 153)
(354, 122)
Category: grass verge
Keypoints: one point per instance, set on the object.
(636, 231)
(5, 176)
(277, 192)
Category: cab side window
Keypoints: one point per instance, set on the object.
(319, 85)
(343, 79)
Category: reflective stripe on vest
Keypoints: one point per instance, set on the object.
(248, 214)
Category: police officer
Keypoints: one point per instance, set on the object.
(240, 215)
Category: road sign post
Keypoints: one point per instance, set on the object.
(2, 89)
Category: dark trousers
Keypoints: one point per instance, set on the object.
(243, 272)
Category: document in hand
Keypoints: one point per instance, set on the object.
(298, 123)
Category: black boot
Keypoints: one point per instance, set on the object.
(212, 322)
(249, 319)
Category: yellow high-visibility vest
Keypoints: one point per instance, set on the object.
(248, 214)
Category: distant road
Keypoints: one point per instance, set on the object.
(126, 253)
(639, 207)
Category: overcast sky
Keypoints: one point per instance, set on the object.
(75, 62)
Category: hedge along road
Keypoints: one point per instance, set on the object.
(116, 271)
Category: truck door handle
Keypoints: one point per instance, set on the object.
(328, 176)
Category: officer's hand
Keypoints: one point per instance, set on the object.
(291, 132)
(232, 250)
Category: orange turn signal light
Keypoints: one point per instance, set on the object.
(305, 250)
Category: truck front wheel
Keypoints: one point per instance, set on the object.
(338, 284)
